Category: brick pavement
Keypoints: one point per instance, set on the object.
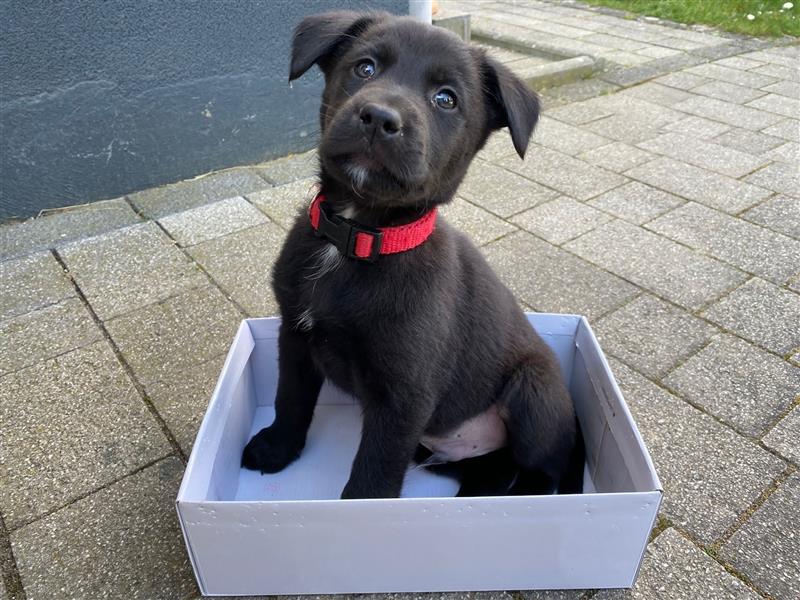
(660, 198)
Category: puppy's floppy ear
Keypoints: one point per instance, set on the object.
(317, 36)
(511, 103)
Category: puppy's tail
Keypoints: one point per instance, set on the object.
(572, 482)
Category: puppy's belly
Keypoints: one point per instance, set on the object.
(479, 435)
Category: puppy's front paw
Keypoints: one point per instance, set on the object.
(269, 451)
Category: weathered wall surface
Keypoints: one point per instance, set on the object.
(98, 99)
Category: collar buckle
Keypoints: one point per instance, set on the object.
(343, 233)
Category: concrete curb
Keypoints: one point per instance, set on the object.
(567, 67)
(558, 73)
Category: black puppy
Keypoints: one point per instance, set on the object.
(413, 322)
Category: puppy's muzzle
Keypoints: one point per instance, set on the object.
(379, 122)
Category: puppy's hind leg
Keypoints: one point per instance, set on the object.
(542, 428)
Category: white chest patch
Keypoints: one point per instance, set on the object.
(348, 212)
(305, 321)
(358, 174)
(325, 260)
(477, 436)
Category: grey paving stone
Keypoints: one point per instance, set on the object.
(707, 155)
(636, 202)
(565, 138)
(623, 57)
(737, 62)
(618, 128)
(283, 203)
(762, 313)
(779, 213)
(242, 264)
(575, 92)
(682, 80)
(790, 89)
(162, 339)
(729, 92)
(550, 594)
(568, 175)
(121, 542)
(788, 53)
(560, 220)
(580, 113)
(504, 56)
(744, 78)
(181, 398)
(129, 268)
(658, 52)
(754, 142)
(634, 119)
(788, 129)
(738, 383)
(551, 280)
(783, 437)
(652, 335)
(159, 202)
(788, 107)
(64, 225)
(657, 93)
(207, 222)
(68, 426)
(699, 127)
(499, 145)
(749, 247)
(613, 41)
(767, 547)
(501, 191)
(405, 596)
(616, 156)
(627, 76)
(778, 177)
(774, 56)
(30, 283)
(35, 336)
(289, 169)
(710, 474)
(778, 71)
(701, 185)
(551, 28)
(794, 285)
(727, 112)
(480, 225)
(657, 264)
(673, 567)
(788, 153)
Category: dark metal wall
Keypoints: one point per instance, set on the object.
(98, 99)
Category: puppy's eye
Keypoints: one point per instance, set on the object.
(445, 99)
(365, 69)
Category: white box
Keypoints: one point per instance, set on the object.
(290, 534)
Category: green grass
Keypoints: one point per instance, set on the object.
(769, 16)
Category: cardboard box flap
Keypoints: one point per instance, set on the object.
(620, 436)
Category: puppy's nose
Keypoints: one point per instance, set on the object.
(379, 120)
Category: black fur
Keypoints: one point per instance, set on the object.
(430, 337)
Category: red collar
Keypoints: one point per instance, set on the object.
(366, 243)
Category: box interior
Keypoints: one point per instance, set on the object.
(244, 401)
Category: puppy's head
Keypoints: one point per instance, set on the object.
(406, 106)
